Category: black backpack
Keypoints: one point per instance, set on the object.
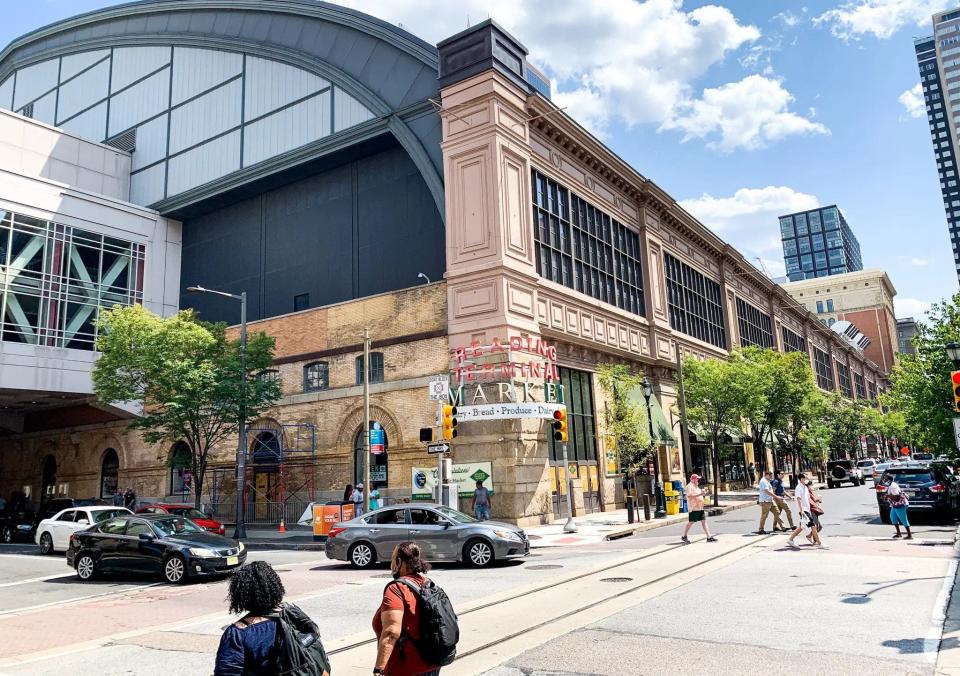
(299, 649)
(439, 631)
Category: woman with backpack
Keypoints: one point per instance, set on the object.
(251, 646)
(410, 603)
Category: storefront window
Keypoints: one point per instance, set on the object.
(181, 469)
(578, 396)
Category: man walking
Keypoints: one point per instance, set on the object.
(768, 504)
(802, 498)
(780, 499)
(481, 502)
(695, 511)
(357, 499)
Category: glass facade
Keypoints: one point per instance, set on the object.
(818, 243)
(694, 302)
(57, 277)
(581, 433)
(823, 369)
(755, 326)
(793, 342)
(584, 249)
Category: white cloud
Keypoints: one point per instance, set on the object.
(881, 18)
(910, 307)
(748, 219)
(912, 100)
(788, 19)
(919, 262)
(611, 61)
(751, 114)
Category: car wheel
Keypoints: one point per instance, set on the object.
(7, 534)
(175, 569)
(86, 567)
(46, 544)
(885, 517)
(362, 555)
(478, 553)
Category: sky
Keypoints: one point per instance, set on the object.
(742, 110)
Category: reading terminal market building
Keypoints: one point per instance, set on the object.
(347, 175)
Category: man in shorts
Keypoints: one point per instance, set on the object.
(807, 518)
(695, 511)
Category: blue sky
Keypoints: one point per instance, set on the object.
(740, 109)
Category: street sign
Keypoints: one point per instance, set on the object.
(439, 388)
(377, 438)
(956, 431)
(509, 411)
(438, 448)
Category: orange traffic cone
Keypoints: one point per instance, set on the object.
(283, 526)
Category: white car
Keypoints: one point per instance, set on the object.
(53, 534)
(867, 466)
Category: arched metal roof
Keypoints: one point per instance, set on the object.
(387, 69)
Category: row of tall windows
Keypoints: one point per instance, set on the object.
(755, 326)
(585, 249)
(793, 342)
(823, 369)
(578, 396)
(843, 377)
(694, 302)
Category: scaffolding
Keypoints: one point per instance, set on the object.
(279, 478)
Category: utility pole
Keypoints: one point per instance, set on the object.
(684, 430)
(240, 532)
(366, 419)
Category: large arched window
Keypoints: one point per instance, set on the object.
(378, 461)
(109, 473)
(316, 376)
(48, 479)
(181, 469)
(376, 368)
(266, 448)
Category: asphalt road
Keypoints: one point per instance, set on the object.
(743, 605)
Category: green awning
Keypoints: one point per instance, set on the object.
(703, 436)
(662, 431)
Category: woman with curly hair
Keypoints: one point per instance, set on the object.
(249, 647)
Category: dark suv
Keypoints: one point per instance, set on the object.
(839, 471)
(21, 524)
(931, 489)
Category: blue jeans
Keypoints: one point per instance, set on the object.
(482, 512)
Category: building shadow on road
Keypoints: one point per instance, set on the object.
(860, 599)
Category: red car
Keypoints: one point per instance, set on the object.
(192, 513)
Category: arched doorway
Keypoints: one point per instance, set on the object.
(264, 493)
(48, 478)
(109, 473)
(378, 460)
(181, 469)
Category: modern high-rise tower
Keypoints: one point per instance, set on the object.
(938, 57)
(818, 243)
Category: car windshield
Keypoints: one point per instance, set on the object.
(865, 463)
(454, 515)
(923, 456)
(188, 512)
(176, 525)
(104, 514)
(911, 477)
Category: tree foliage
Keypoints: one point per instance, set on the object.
(185, 375)
(920, 383)
(625, 420)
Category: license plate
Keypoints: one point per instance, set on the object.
(233, 560)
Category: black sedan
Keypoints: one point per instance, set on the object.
(172, 546)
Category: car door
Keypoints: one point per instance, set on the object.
(138, 554)
(59, 528)
(433, 532)
(107, 541)
(386, 529)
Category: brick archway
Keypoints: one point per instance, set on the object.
(354, 422)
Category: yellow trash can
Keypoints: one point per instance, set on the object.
(673, 502)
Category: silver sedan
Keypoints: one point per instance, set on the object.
(443, 534)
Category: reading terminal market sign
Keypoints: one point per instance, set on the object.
(489, 384)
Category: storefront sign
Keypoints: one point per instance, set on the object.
(466, 371)
(506, 411)
(465, 475)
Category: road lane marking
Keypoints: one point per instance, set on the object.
(37, 579)
(13, 612)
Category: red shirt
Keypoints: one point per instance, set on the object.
(405, 660)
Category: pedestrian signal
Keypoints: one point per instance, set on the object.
(955, 387)
(448, 421)
(560, 425)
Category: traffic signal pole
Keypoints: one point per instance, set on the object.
(440, 456)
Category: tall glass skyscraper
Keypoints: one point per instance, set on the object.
(818, 243)
(938, 57)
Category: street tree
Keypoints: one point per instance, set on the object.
(920, 384)
(716, 394)
(624, 418)
(886, 427)
(843, 420)
(185, 375)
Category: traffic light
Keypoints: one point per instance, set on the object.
(560, 425)
(955, 387)
(448, 421)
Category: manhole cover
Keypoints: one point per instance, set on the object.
(616, 579)
(546, 566)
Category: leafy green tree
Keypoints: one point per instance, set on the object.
(716, 393)
(920, 383)
(185, 375)
(625, 420)
(886, 427)
(843, 420)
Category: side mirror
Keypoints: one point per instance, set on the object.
(83, 522)
(146, 537)
(446, 524)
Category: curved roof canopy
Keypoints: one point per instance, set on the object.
(214, 94)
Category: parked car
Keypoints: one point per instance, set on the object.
(839, 471)
(17, 524)
(930, 489)
(922, 457)
(22, 525)
(444, 534)
(866, 467)
(172, 546)
(203, 520)
(878, 470)
(53, 534)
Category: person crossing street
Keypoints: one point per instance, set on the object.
(781, 500)
(767, 499)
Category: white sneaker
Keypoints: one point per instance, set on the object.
(793, 544)
(823, 546)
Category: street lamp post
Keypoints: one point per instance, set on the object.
(660, 511)
(953, 351)
(240, 530)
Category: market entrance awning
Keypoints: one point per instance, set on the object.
(662, 432)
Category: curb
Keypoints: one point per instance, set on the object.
(651, 525)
